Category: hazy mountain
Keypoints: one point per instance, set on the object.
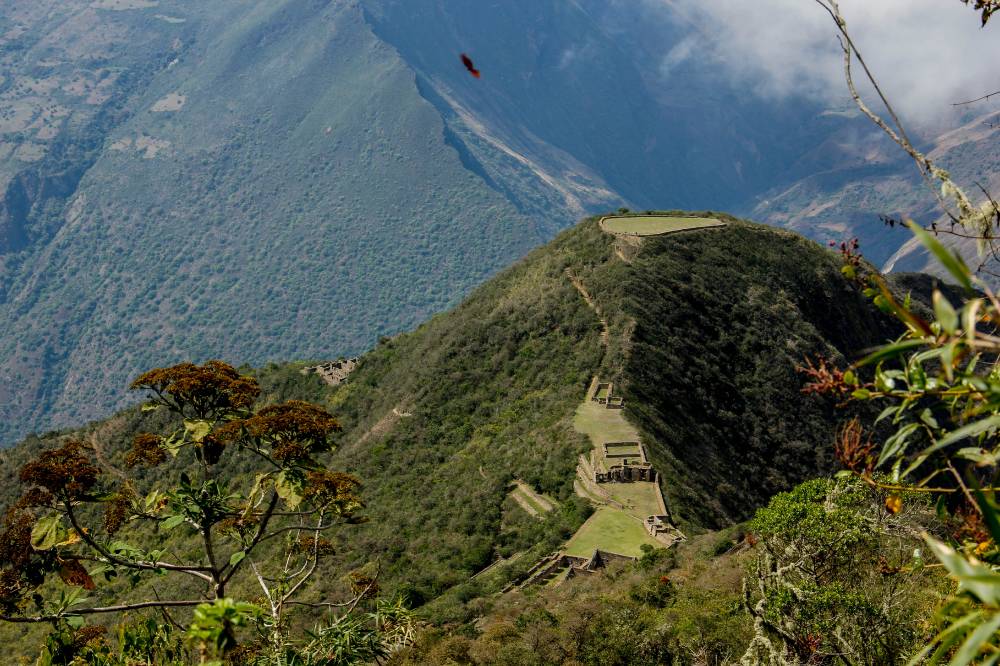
(294, 179)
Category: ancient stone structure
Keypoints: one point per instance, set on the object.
(627, 471)
(604, 394)
(333, 372)
(556, 563)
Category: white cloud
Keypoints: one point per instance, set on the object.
(680, 52)
(925, 53)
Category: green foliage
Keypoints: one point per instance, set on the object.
(722, 320)
(667, 608)
(835, 574)
(76, 507)
(938, 386)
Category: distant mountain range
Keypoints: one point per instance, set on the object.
(296, 178)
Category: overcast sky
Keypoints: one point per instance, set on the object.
(925, 53)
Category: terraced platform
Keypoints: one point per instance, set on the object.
(656, 225)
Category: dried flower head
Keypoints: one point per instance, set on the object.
(310, 544)
(332, 490)
(824, 378)
(854, 450)
(65, 472)
(210, 389)
(92, 636)
(118, 510)
(147, 449)
(293, 421)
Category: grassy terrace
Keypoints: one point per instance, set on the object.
(654, 225)
(639, 498)
(630, 450)
(610, 530)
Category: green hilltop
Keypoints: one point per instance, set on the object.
(704, 331)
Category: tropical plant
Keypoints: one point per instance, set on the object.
(246, 502)
(940, 387)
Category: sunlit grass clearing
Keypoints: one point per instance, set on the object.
(612, 531)
(653, 225)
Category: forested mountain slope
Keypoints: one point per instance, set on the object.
(281, 180)
(706, 329)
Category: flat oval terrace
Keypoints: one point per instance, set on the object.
(655, 225)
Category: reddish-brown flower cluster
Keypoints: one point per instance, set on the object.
(237, 526)
(147, 449)
(293, 421)
(73, 573)
(290, 452)
(19, 575)
(325, 488)
(12, 589)
(807, 647)
(363, 585)
(824, 378)
(854, 449)
(117, 511)
(65, 472)
(35, 497)
(15, 540)
(210, 389)
(91, 635)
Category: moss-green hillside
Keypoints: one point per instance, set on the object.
(706, 328)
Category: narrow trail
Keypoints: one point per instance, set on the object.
(102, 460)
(605, 330)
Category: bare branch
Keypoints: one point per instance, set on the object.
(978, 99)
(196, 571)
(101, 609)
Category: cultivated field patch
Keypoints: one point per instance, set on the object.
(611, 531)
(655, 225)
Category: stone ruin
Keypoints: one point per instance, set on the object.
(633, 466)
(333, 372)
(550, 567)
(604, 394)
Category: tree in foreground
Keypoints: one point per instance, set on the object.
(210, 536)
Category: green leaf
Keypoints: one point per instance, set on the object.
(150, 407)
(989, 511)
(74, 621)
(982, 636)
(172, 522)
(237, 557)
(951, 261)
(944, 312)
(974, 577)
(896, 443)
(197, 429)
(288, 489)
(45, 533)
(891, 351)
(971, 430)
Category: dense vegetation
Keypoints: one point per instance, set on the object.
(250, 198)
(438, 422)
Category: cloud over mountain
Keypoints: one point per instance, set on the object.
(926, 54)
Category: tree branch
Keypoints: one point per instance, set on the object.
(195, 571)
(101, 609)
